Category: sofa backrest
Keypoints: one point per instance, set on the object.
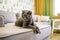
(9, 16)
(41, 18)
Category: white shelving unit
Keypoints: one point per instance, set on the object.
(56, 24)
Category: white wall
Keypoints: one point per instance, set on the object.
(17, 5)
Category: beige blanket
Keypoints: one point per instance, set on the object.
(11, 29)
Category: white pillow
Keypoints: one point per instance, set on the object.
(36, 18)
(44, 18)
(10, 17)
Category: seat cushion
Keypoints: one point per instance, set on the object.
(11, 29)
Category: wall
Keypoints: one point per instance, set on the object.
(17, 5)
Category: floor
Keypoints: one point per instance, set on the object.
(55, 36)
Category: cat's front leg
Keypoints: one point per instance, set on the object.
(24, 25)
(35, 29)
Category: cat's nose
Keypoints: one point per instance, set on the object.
(24, 18)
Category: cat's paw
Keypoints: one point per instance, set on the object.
(36, 30)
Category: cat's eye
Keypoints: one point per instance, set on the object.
(29, 13)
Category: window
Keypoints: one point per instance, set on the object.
(56, 6)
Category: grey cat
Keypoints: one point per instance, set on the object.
(26, 21)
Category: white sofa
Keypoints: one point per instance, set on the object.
(12, 32)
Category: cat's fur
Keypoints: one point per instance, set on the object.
(26, 21)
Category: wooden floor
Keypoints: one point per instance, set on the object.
(55, 36)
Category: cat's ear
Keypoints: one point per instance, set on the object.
(22, 11)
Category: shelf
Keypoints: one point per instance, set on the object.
(56, 24)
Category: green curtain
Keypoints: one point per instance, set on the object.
(48, 9)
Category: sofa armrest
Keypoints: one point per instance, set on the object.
(1, 21)
(50, 22)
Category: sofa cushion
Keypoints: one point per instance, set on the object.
(39, 18)
(36, 18)
(9, 16)
(10, 29)
(44, 18)
(1, 21)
